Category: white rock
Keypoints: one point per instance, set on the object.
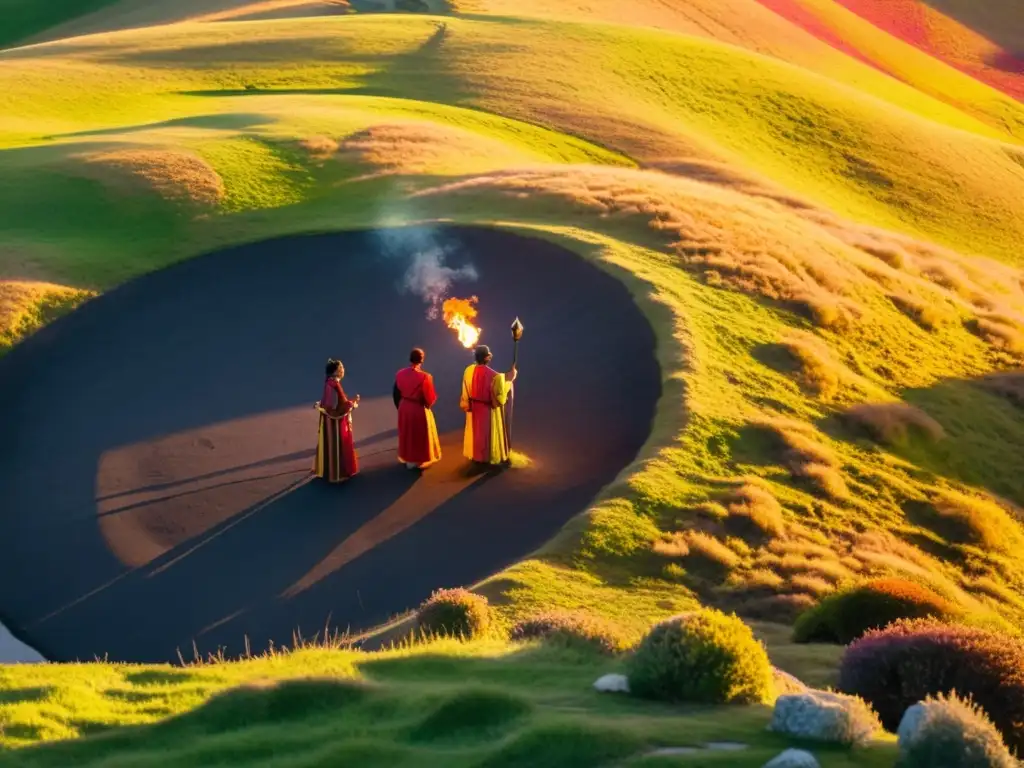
(824, 716)
(612, 684)
(793, 758)
(910, 723)
(13, 651)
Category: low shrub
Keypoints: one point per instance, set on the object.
(704, 657)
(573, 630)
(894, 423)
(953, 733)
(454, 612)
(844, 616)
(908, 661)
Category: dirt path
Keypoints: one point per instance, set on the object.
(158, 441)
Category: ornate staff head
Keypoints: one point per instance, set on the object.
(517, 330)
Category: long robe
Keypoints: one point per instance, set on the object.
(336, 458)
(414, 395)
(484, 393)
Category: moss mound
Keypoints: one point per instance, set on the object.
(705, 657)
(454, 612)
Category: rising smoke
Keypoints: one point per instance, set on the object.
(428, 275)
(429, 278)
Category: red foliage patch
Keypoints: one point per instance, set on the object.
(904, 19)
(793, 12)
(908, 20)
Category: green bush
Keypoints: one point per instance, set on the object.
(704, 657)
(845, 616)
(454, 612)
(953, 733)
(573, 630)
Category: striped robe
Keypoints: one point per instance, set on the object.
(336, 458)
(484, 393)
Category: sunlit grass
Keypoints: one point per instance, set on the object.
(764, 253)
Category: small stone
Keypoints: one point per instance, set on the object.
(725, 746)
(612, 684)
(793, 758)
(674, 751)
(824, 716)
(909, 723)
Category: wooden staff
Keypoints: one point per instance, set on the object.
(517, 334)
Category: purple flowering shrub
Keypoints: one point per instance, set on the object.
(908, 661)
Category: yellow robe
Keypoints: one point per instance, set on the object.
(484, 394)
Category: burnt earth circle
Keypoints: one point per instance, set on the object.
(157, 443)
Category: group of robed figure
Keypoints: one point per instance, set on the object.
(484, 395)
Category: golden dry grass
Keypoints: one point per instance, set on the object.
(977, 521)
(26, 306)
(175, 175)
(819, 372)
(805, 456)
(894, 423)
(673, 545)
(709, 553)
(418, 147)
(754, 512)
(823, 267)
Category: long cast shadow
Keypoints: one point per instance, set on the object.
(201, 374)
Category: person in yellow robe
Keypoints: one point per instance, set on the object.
(484, 394)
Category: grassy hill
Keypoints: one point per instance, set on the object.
(830, 257)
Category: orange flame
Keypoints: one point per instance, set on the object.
(459, 315)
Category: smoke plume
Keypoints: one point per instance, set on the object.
(430, 278)
(428, 275)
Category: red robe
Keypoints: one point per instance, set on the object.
(336, 458)
(414, 394)
(484, 393)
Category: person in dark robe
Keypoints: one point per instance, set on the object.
(414, 395)
(336, 459)
(484, 394)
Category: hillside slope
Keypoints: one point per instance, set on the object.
(834, 279)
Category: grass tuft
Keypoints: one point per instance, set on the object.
(754, 513)
(895, 424)
(972, 520)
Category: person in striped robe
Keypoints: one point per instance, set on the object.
(336, 458)
(484, 394)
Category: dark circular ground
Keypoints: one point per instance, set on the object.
(154, 464)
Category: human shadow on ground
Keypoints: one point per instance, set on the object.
(156, 473)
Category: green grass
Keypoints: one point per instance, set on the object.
(24, 18)
(126, 152)
(484, 703)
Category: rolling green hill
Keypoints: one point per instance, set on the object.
(816, 248)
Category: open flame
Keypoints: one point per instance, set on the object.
(459, 315)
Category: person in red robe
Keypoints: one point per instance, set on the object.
(414, 394)
(484, 394)
(336, 458)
